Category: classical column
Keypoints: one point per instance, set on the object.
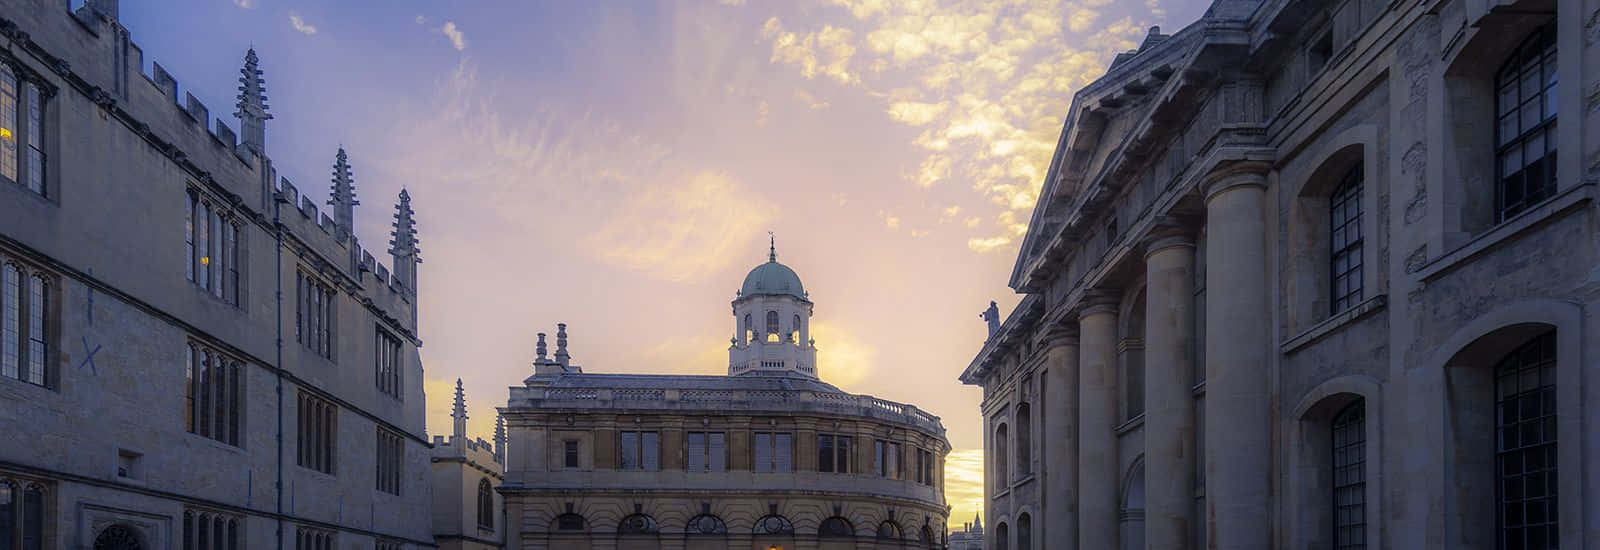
(1238, 439)
(1098, 474)
(1058, 421)
(1168, 394)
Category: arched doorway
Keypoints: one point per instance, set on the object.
(118, 537)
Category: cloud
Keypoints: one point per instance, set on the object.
(731, 2)
(890, 220)
(826, 52)
(963, 484)
(809, 100)
(300, 24)
(457, 38)
(683, 230)
(987, 244)
(246, 4)
(842, 359)
(917, 113)
(421, 20)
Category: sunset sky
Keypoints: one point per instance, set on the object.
(617, 165)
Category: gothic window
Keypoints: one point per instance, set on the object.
(211, 242)
(774, 452)
(391, 461)
(1002, 477)
(25, 317)
(1345, 240)
(117, 537)
(637, 524)
(1525, 387)
(708, 451)
(889, 530)
(833, 453)
(836, 527)
(22, 158)
(214, 384)
(1024, 442)
(773, 524)
(485, 505)
(314, 317)
(706, 524)
(306, 538)
(639, 451)
(1024, 532)
(21, 515)
(317, 434)
(1525, 138)
(387, 357)
(569, 522)
(1350, 477)
(203, 530)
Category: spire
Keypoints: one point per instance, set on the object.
(561, 345)
(403, 243)
(500, 438)
(977, 520)
(459, 412)
(252, 113)
(343, 199)
(772, 247)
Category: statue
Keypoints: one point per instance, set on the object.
(992, 317)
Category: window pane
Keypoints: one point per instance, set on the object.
(843, 463)
(783, 452)
(825, 453)
(651, 443)
(11, 324)
(697, 451)
(38, 305)
(719, 452)
(8, 124)
(629, 454)
(763, 452)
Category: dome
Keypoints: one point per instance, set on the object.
(772, 279)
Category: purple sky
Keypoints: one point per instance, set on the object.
(616, 166)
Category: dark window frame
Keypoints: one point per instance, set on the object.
(1531, 182)
(1346, 242)
(1526, 441)
(1348, 437)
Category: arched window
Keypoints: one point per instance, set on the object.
(1525, 140)
(1024, 532)
(706, 524)
(926, 537)
(1024, 442)
(569, 522)
(749, 328)
(889, 530)
(836, 527)
(1344, 240)
(485, 504)
(1002, 477)
(1002, 537)
(1132, 357)
(1132, 520)
(118, 537)
(773, 524)
(772, 322)
(1350, 477)
(637, 524)
(1525, 386)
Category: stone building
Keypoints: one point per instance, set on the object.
(192, 355)
(970, 537)
(467, 512)
(1311, 274)
(768, 456)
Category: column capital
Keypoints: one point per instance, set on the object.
(1235, 175)
(1167, 232)
(1059, 336)
(1099, 301)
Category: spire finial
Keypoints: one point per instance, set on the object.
(343, 198)
(252, 104)
(772, 247)
(562, 356)
(403, 243)
(541, 348)
(459, 412)
(500, 437)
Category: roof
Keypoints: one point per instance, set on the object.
(772, 279)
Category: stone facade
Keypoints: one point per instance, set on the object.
(468, 513)
(1312, 275)
(970, 537)
(200, 352)
(757, 459)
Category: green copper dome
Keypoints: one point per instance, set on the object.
(772, 279)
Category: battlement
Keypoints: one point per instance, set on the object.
(88, 52)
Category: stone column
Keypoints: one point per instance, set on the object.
(1168, 391)
(1238, 439)
(1098, 474)
(1058, 420)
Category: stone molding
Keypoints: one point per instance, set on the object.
(1233, 176)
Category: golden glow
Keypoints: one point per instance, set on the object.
(5, 133)
(205, 260)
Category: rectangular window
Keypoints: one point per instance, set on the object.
(639, 451)
(205, 530)
(391, 460)
(387, 356)
(708, 452)
(10, 133)
(774, 452)
(35, 151)
(211, 247)
(824, 453)
(314, 321)
(894, 462)
(1345, 242)
(25, 314)
(318, 433)
(833, 453)
(212, 396)
(570, 453)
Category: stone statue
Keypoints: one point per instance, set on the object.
(992, 317)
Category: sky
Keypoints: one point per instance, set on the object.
(617, 165)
